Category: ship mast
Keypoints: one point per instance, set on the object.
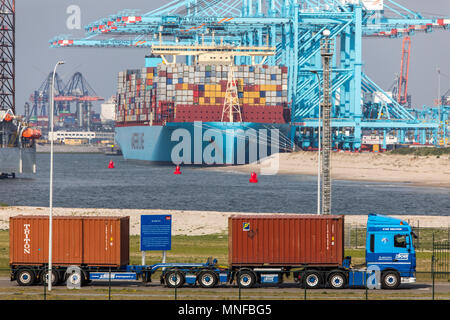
(231, 105)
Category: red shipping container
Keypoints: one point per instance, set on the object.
(285, 240)
(95, 241)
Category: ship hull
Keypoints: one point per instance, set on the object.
(200, 143)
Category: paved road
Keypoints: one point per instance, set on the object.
(285, 291)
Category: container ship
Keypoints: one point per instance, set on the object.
(202, 113)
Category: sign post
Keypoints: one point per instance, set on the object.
(156, 234)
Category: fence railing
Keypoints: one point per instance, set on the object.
(429, 286)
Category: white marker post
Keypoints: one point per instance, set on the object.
(50, 222)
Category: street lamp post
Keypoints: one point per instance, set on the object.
(50, 227)
(319, 148)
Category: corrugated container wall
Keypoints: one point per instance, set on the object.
(94, 241)
(288, 240)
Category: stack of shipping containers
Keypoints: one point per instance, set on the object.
(182, 93)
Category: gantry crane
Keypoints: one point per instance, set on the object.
(40, 98)
(295, 29)
(77, 91)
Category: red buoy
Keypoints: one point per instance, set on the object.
(111, 165)
(177, 170)
(253, 178)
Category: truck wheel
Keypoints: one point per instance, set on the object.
(54, 276)
(174, 279)
(207, 279)
(337, 280)
(25, 277)
(246, 279)
(312, 279)
(390, 280)
(74, 280)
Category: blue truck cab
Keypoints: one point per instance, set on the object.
(390, 250)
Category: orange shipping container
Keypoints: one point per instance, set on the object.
(94, 241)
(293, 240)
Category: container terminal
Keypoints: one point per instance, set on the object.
(75, 120)
(212, 36)
(271, 52)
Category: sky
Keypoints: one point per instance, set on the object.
(39, 21)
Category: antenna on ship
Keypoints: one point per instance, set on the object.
(231, 105)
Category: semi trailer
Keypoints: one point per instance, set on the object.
(262, 249)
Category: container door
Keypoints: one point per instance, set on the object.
(67, 241)
(101, 242)
(28, 241)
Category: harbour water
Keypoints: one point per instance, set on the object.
(84, 181)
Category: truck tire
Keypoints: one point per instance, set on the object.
(312, 279)
(174, 279)
(246, 279)
(44, 277)
(25, 277)
(337, 280)
(390, 280)
(207, 279)
(74, 279)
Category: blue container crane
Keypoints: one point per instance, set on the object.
(295, 28)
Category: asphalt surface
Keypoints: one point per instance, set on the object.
(130, 289)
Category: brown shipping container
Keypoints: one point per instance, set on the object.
(285, 240)
(93, 241)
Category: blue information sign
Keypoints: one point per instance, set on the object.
(156, 232)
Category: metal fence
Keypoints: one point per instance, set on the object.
(433, 281)
(428, 287)
(441, 259)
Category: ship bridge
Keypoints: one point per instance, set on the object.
(213, 53)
